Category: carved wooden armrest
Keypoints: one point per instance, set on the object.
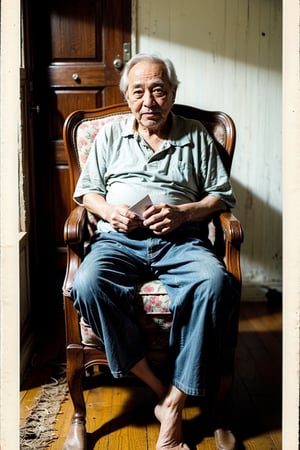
(74, 236)
(75, 227)
(233, 236)
(232, 227)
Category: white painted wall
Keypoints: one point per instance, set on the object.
(228, 57)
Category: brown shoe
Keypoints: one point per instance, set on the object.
(225, 439)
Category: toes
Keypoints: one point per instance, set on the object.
(181, 446)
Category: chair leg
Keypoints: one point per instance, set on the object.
(76, 438)
(224, 437)
(221, 397)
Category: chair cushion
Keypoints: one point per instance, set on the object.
(153, 315)
(88, 337)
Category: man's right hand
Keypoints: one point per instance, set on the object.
(123, 220)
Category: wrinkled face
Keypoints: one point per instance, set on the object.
(150, 96)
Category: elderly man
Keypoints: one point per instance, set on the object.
(174, 161)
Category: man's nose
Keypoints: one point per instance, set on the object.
(148, 99)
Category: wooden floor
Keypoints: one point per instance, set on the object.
(119, 415)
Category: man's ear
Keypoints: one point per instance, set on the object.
(126, 98)
(174, 94)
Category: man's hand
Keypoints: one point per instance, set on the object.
(122, 219)
(163, 218)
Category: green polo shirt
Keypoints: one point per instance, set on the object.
(123, 168)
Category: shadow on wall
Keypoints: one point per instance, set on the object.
(261, 252)
(235, 31)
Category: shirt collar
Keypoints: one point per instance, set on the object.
(177, 136)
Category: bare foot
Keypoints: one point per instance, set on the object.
(169, 413)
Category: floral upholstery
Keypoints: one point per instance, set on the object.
(86, 133)
(152, 300)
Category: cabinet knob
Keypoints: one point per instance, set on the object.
(75, 77)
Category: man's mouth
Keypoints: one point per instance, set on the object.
(150, 113)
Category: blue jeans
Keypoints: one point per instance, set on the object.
(202, 299)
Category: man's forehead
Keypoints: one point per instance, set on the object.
(144, 71)
(149, 82)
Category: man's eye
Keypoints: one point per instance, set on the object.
(138, 93)
(158, 92)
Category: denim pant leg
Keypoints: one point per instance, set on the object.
(202, 300)
(103, 291)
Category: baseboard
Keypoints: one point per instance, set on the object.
(257, 293)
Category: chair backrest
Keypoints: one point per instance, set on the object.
(82, 126)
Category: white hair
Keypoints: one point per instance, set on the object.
(151, 57)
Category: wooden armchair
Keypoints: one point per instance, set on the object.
(84, 350)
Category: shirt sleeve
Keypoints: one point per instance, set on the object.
(215, 178)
